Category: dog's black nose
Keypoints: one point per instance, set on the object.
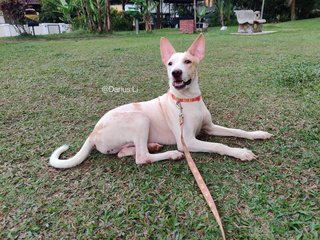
(177, 73)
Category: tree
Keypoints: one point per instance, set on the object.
(220, 8)
(304, 8)
(201, 12)
(108, 16)
(227, 11)
(49, 12)
(66, 9)
(292, 5)
(13, 11)
(148, 16)
(277, 9)
(146, 7)
(93, 15)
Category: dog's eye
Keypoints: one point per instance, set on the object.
(170, 63)
(187, 61)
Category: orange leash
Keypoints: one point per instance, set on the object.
(201, 184)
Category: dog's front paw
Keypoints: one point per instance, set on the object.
(260, 135)
(176, 155)
(243, 154)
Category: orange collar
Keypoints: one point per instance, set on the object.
(196, 99)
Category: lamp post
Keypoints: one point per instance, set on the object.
(262, 8)
(134, 12)
(195, 14)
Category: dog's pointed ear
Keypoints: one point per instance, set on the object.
(166, 50)
(197, 48)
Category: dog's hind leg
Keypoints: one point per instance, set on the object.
(127, 151)
(140, 140)
(154, 147)
(131, 150)
(127, 133)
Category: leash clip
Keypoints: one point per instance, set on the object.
(181, 117)
(179, 105)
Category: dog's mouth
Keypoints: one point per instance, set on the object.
(179, 84)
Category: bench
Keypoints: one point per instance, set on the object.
(249, 21)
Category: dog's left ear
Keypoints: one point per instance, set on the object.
(198, 47)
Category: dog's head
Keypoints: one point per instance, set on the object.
(182, 67)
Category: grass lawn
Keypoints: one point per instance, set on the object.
(51, 94)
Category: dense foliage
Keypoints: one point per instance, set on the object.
(278, 8)
(49, 12)
(274, 10)
(121, 21)
(84, 14)
(97, 15)
(87, 14)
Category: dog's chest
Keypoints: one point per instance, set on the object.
(193, 117)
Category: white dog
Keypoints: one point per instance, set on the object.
(138, 129)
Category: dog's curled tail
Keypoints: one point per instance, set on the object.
(73, 161)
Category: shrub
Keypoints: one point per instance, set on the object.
(13, 11)
(121, 21)
(49, 12)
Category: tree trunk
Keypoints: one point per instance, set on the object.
(123, 3)
(147, 17)
(293, 10)
(86, 14)
(220, 9)
(100, 22)
(90, 18)
(221, 17)
(108, 17)
(159, 16)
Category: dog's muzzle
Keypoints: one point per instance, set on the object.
(179, 84)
